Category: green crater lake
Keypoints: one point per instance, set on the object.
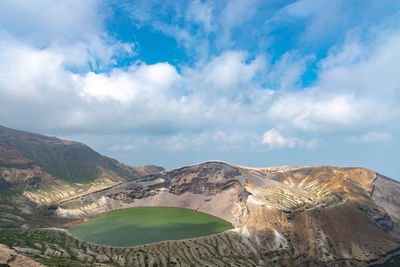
(144, 225)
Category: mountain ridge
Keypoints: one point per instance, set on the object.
(38, 170)
(66, 160)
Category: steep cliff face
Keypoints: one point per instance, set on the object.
(386, 192)
(316, 214)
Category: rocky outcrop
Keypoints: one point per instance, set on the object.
(385, 222)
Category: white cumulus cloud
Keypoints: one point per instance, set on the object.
(275, 140)
(138, 82)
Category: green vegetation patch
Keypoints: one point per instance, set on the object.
(138, 226)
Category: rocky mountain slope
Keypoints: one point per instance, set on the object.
(37, 170)
(316, 215)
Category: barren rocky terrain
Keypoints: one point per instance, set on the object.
(312, 215)
(282, 216)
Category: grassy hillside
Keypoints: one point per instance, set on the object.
(65, 160)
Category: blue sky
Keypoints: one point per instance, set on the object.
(171, 83)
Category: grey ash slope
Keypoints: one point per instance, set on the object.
(386, 192)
